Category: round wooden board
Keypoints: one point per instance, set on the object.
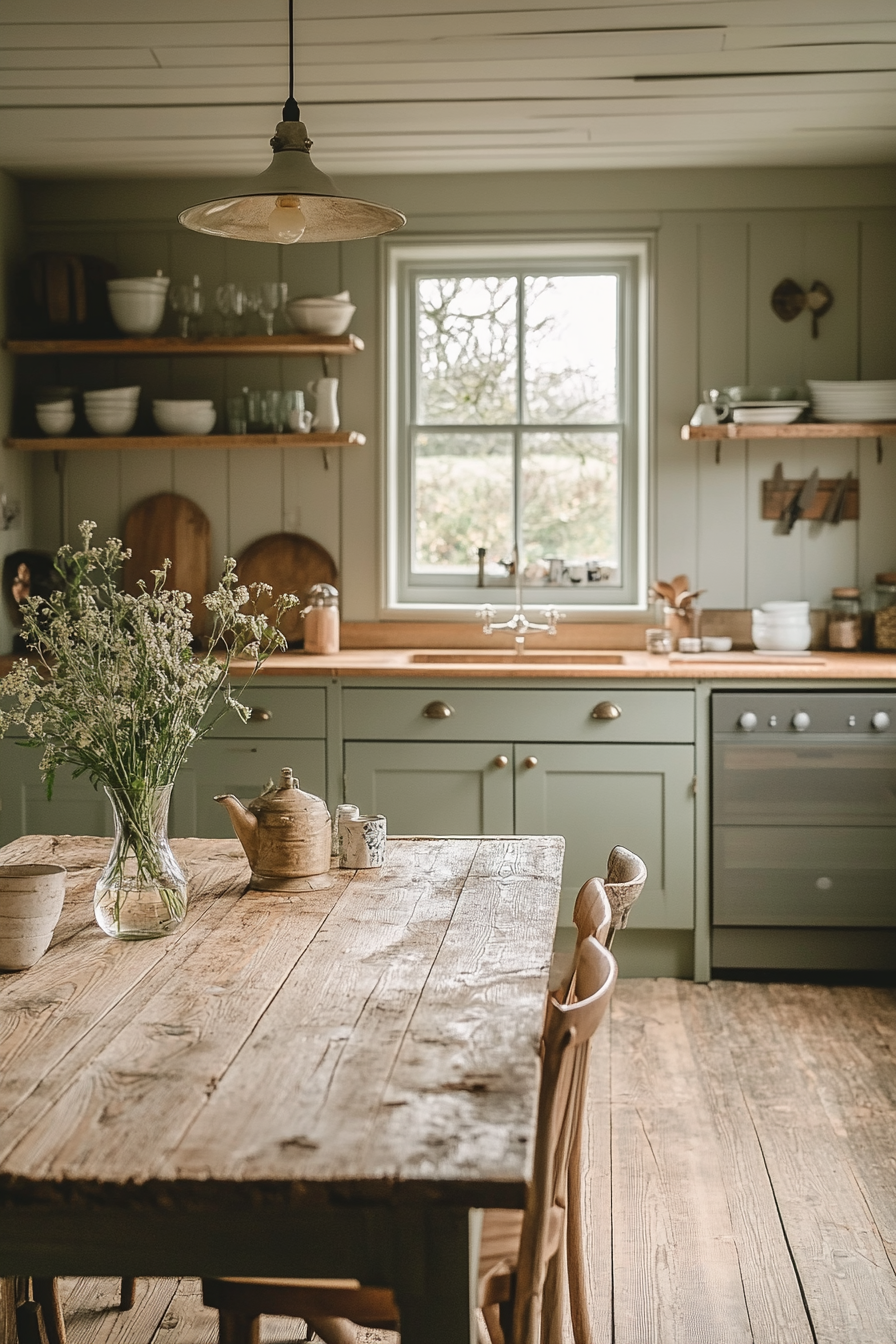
(290, 563)
(169, 527)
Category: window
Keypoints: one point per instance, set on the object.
(516, 419)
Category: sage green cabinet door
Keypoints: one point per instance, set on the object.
(241, 768)
(433, 788)
(76, 808)
(599, 796)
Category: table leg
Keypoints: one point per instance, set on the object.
(437, 1264)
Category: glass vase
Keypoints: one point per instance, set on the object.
(141, 892)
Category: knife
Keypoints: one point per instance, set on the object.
(779, 489)
(837, 502)
(801, 502)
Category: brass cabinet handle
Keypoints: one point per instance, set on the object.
(606, 710)
(260, 716)
(500, 762)
(530, 762)
(437, 709)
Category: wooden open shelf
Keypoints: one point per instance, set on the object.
(291, 344)
(811, 429)
(132, 442)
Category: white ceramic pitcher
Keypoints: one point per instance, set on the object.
(326, 409)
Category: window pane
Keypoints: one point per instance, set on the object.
(463, 485)
(571, 496)
(570, 366)
(467, 350)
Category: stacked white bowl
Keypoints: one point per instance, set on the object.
(112, 410)
(55, 415)
(782, 627)
(138, 304)
(843, 401)
(184, 417)
(328, 316)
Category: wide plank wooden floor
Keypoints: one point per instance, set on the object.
(742, 1176)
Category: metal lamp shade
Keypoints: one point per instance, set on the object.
(330, 216)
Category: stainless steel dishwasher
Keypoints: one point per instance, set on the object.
(804, 829)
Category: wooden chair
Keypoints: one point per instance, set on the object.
(516, 1284)
(47, 1324)
(626, 875)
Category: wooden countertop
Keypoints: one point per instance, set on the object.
(570, 664)
(410, 663)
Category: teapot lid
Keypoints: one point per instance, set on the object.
(288, 797)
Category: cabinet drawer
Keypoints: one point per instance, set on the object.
(812, 875)
(487, 715)
(279, 711)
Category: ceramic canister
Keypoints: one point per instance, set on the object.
(31, 898)
(363, 842)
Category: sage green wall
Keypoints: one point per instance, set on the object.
(15, 474)
(724, 239)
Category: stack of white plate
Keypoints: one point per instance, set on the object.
(768, 412)
(782, 627)
(844, 401)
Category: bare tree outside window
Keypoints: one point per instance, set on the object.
(516, 433)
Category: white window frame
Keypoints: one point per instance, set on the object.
(403, 260)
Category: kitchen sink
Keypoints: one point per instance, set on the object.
(501, 657)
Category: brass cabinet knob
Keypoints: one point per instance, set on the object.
(606, 710)
(500, 762)
(260, 716)
(530, 762)
(437, 709)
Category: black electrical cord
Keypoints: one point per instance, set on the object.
(290, 107)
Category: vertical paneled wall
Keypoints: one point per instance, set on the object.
(716, 268)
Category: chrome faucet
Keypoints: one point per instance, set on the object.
(519, 622)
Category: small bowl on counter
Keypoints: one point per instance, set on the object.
(184, 417)
(782, 627)
(329, 316)
(138, 305)
(112, 411)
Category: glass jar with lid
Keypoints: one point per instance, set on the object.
(845, 619)
(884, 612)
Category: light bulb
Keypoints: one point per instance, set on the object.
(286, 222)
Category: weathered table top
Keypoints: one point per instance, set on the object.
(375, 1042)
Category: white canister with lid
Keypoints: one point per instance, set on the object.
(322, 619)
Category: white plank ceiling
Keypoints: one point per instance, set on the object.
(116, 87)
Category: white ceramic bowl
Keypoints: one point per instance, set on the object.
(111, 420)
(184, 418)
(716, 643)
(55, 420)
(112, 394)
(772, 608)
(137, 312)
(782, 639)
(139, 282)
(183, 404)
(323, 317)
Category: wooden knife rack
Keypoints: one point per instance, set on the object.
(777, 496)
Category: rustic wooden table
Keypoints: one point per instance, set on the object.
(324, 1085)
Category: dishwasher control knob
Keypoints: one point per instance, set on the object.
(880, 720)
(800, 721)
(747, 721)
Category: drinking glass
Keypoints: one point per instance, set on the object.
(237, 422)
(232, 303)
(265, 412)
(267, 299)
(188, 302)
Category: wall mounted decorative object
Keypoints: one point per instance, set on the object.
(789, 299)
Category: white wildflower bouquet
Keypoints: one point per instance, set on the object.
(115, 689)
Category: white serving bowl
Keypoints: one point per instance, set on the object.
(782, 639)
(139, 282)
(137, 312)
(716, 643)
(184, 417)
(56, 419)
(111, 420)
(322, 317)
(183, 404)
(112, 394)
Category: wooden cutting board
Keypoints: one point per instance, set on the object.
(290, 563)
(174, 528)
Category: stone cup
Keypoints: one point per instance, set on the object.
(31, 898)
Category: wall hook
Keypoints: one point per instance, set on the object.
(880, 450)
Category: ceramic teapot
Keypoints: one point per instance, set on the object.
(286, 835)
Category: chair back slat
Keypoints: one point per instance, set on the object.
(569, 1028)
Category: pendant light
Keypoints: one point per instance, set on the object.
(291, 201)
